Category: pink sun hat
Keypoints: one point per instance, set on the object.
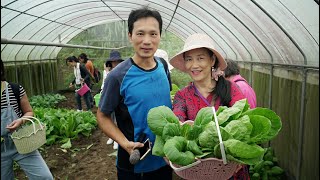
(196, 41)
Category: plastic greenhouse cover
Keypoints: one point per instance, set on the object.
(283, 31)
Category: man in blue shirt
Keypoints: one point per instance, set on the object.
(131, 90)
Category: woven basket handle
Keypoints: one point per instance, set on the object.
(29, 118)
(184, 167)
(223, 153)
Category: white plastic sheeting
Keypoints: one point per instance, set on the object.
(273, 31)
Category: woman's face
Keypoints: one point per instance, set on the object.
(198, 64)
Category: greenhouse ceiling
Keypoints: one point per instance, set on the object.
(270, 31)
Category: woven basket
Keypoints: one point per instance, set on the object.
(209, 168)
(29, 137)
(206, 169)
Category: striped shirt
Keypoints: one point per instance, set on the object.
(12, 99)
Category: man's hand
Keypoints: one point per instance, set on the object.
(130, 146)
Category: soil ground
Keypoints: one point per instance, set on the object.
(90, 158)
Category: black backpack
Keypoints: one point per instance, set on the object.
(97, 75)
(16, 92)
(166, 69)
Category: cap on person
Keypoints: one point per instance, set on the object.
(114, 56)
(196, 41)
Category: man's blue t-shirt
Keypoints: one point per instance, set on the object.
(131, 92)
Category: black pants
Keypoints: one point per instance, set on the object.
(164, 173)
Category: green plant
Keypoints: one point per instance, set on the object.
(63, 125)
(241, 129)
(46, 100)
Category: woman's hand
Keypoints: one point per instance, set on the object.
(14, 125)
(70, 85)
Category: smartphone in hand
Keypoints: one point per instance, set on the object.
(146, 149)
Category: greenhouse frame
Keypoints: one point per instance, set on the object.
(275, 42)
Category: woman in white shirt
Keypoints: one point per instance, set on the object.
(112, 62)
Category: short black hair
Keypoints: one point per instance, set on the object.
(71, 59)
(232, 68)
(3, 76)
(84, 56)
(108, 64)
(144, 12)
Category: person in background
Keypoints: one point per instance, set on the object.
(83, 58)
(163, 54)
(200, 60)
(112, 62)
(131, 89)
(11, 110)
(232, 73)
(81, 75)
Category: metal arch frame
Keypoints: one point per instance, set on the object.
(303, 90)
(174, 12)
(32, 16)
(35, 46)
(111, 10)
(227, 29)
(208, 34)
(39, 29)
(257, 26)
(57, 26)
(299, 20)
(75, 30)
(54, 49)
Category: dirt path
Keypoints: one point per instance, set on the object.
(88, 159)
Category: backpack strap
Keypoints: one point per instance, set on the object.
(16, 92)
(166, 69)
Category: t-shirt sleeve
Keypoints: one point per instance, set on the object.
(236, 94)
(110, 95)
(22, 91)
(179, 106)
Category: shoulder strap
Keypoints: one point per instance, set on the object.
(165, 65)
(16, 92)
(240, 80)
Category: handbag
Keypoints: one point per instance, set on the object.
(83, 90)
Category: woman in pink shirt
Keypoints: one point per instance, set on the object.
(209, 88)
(232, 73)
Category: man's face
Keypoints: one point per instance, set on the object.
(145, 37)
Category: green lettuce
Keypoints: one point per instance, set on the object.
(158, 117)
(175, 151)
(273, 118)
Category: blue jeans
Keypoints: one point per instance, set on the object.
(86, 97)
(32, 163)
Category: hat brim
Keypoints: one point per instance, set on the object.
(178, 61)
(111, 60)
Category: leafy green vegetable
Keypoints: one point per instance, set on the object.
(272, 116)
(170, 130)
(158, 117)
(193, 147)
(261, 127)
(209, 137)
(225, 115)
(241, 129)
(175, 150)
(204, 116)
(158, 147)
(239, 149)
